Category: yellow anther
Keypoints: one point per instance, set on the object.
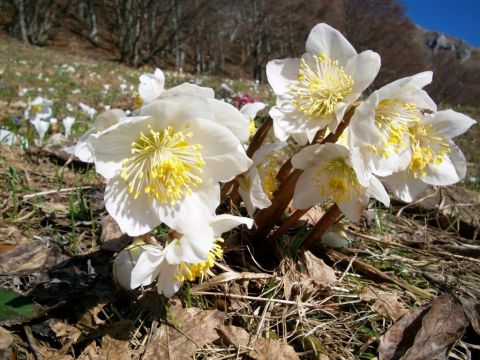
(342, 183)
(321, 86)
(163, 165)
(137, 101)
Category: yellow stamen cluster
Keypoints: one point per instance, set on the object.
(321, 86)
(251, 127)
(190, 272)
(36, 108)
(163, 165)
(267, 171)
(342, 183)
(137, 101)
(393, 118)
(429, 147)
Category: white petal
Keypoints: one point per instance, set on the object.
(223, 223)
(82, 148)
(281, 74)
(363, 68)
(315, 154)
(222, 152)
(250, 110)
(192, 211)
(228, 116)
(166, 284)
(192, 247)
(404, 186)
(377, 191)
(260, 155)
(187, 88)
(306, 192)
(324, 39)
(147, 266)
(450, 171)
(133, 216)
(108, 118)
(353, 209)
(301, 138)
(113, 145)
(450, 123)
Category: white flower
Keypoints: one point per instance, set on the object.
(53, 121)
(379, 126)
(87, 110)
(257, 185)
(67, 124)
(331, 171)
(315, 91)
(9, 138)
(436, 160)
(126, 260)
(151, 85)
(189, 256)
(39, 109)
(102, 122)
(224, 113)
(41, 127)
(165, 165)
(249, 111)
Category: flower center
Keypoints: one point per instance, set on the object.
(267, 171)
(393, 118)
(428, 148)
(163, 165)
(190, 272)
(341, 183)
(320, 87)
(137, 100)
(251, 127)
(36, 108)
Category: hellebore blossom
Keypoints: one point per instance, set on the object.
(380, 124)
(150, 87)
(102, 122)
(250, 111)
(256, 186)
(165, 162)
(67, 124)
(39, 109)
(331, 171)
(435, 160)
(315, 91)
(187, 256)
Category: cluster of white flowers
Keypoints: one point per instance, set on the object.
(396, 136)
(164, 164)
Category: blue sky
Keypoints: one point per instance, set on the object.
(460, 18)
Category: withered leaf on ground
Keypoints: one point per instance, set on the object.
(20, 255)
(262, 348)
(425, 333)
(472, 310)
(387, 303)
(190, 330)
(317, 270)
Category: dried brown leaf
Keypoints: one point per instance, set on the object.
(191, 329)
(472, 310)
(6, 339)
(66, 332)
(387, 303)
(426, 333)
(317, 270)
(20, 255)
(262, 348)
(112, 238)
